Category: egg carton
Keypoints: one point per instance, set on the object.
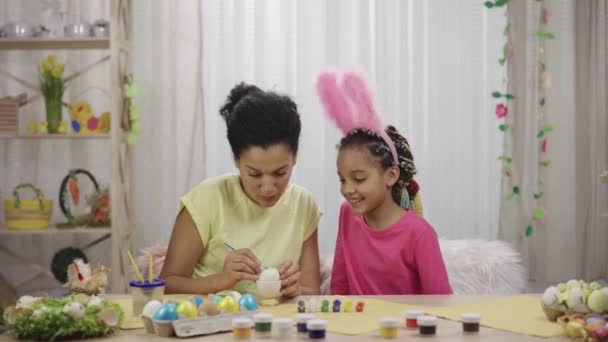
(188, 327)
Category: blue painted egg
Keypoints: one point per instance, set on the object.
(218, 299)
(248, 302)
(167, 312)
(75, 126)
(197, 300)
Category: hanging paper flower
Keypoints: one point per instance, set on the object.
(501, 110)
(539, 215)
(545, 80)
(604, 176)
(543, 146)
(545, 16)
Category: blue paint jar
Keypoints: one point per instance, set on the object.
(316, 329)
(301, 320)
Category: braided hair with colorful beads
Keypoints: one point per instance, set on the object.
(349, 104)
(405, 191)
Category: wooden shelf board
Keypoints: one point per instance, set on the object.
(55, 230)
(60, 43)
(57, 136)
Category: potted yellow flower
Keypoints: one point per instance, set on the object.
(52, 87)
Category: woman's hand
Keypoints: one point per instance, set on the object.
(289, 273)
(239, 265)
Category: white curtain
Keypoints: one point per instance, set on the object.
(572, 240)
(433, 64)
(46, 162)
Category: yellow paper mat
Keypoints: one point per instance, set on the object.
(354, 323)
(519, 314)
(344, 323)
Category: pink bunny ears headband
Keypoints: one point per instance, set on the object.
(351, 106)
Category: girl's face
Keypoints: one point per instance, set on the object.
(363, 181)
(265, 172)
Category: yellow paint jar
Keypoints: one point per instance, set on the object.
(242, 328)
(389, 327)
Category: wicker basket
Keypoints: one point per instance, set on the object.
(27, 214)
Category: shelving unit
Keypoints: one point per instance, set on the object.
(119, 48)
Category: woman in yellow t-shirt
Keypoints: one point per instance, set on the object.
(269, 222)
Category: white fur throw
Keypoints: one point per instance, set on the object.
(473, 266)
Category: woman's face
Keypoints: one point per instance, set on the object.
(265, 172)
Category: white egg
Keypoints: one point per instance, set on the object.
(95, 302)
(550, 297)
(576, 300)
(573, 283)
(38, 313)
(151, 308)
(74, 310)
(25, 302)
(269, 274)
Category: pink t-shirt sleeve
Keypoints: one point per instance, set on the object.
(431, 269)
(339, 281)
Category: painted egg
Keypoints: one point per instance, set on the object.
(75, 126)
(217, 299)
(197, 300)
(167, 312)
(228, 304)
(92, 123)
(151, 308)
(187, 309)
(236, 295)
(248, 302)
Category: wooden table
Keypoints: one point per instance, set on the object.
(447, 330)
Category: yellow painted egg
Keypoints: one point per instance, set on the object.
(228, 304)
(187, 309)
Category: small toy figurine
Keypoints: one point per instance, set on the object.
(325, 306)
(301, 306)
(348, 306)
(360, 306)
(336, 306)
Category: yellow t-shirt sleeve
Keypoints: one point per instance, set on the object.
(202, 208)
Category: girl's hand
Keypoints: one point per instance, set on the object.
(289, 273)
(239, 265)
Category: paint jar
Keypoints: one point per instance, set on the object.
(389, 326)
(427, 325)
(263, 325)
(470, 322)
(242, 328)
(410, 318)
(282, 328)
(301, 320)
(316, 329)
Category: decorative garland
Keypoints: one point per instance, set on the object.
(538, 212)
(502, 108)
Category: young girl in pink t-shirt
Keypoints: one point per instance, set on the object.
(383, 247)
